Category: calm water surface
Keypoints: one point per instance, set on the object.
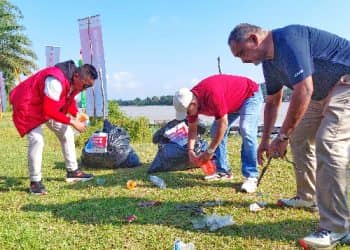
(167, 113)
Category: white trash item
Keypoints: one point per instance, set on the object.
(256, 207)
(159, 182)
(180, 245)
(97, 143)
(178, 134)
(213, 222)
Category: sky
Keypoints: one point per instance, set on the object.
(154, 47)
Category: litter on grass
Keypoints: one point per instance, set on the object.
(213, 222)
(196, 209)
(212, 203)
(131, 184)
(100, 181)
(149, 203)
(180, 245)
(157, 181)
(257, 206)
(130, 218)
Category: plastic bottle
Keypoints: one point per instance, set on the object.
(180, 245)
(159, 182)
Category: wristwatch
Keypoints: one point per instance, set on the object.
(210, 151)
(282, 137)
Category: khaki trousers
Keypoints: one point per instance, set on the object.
(322, 139)
(36, 145)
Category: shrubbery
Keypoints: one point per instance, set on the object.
(138, 128)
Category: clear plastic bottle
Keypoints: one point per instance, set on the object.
(159, 182)
(180, 245)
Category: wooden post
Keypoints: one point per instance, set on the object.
(219, 67)
(0, 105)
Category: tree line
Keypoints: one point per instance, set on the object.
(155, 100)
(168, 99)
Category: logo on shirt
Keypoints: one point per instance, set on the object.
(299, 73)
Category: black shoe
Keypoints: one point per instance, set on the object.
(37, 188)
(78, 175)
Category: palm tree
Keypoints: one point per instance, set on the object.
(16, 56)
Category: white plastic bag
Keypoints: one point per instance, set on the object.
(178, 134)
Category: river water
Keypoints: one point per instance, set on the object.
(157, 114)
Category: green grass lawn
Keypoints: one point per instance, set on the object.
(92, 216)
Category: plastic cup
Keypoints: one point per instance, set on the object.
(82, 117)
(209, 167)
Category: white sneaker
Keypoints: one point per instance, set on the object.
(249, 185)
(297, 202)
(219, 177)
(212, 177)
(321, 239)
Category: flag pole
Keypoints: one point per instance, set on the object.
(103, 93)
(91, 57)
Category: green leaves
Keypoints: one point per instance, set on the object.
(15, 48)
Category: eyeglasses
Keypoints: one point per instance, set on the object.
(86, 86)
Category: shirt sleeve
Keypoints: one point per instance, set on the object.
(51, 110)
(53, 88)
(73, 109)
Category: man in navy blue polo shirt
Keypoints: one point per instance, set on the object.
(316, 65)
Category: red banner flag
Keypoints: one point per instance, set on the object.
(52, 55)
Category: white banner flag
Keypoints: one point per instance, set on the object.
(52, 55)
(92, 53)
(2, 94)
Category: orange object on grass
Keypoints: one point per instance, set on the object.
(131, 184)
(209, 167)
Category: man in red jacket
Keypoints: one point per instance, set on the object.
(47, 97)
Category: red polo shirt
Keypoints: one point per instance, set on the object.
(219, 95)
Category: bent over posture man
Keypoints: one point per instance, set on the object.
(316, 65)
(47, 97)
(226, 97)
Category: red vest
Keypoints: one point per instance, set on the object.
(31, 105)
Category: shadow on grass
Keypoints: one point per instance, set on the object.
(173, 180)
(59, 165)
(114, 211)
(10, 183)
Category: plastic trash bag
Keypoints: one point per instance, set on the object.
(119, 151)
(173, 157)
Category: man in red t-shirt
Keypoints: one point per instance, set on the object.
(226, 97)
